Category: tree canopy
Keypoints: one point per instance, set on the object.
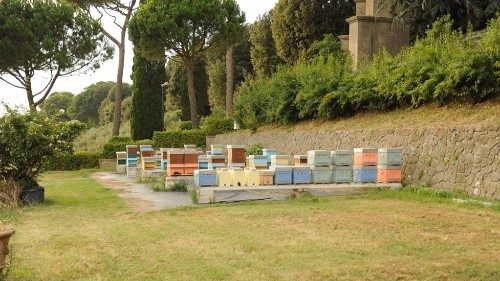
(265, 60)
(85, 106)
(57, 104)
(54, 37)
(185, 28)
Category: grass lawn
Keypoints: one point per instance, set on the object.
(86, 232)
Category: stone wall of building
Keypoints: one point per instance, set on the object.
(464, 158)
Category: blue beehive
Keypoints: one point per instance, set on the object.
(342, 174)
(205, 178)
(269, 152)
(258, 161)
(282, 175)
(301, 175)
(202, 162)
(342, 158)
(364, 174)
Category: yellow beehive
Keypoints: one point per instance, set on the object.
(252, 177)
(148, 163)
(224, 177)
(237, 177)
(280, 160)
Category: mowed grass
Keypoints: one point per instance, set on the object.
(85, 232)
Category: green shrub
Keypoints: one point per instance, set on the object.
(72, 161)
(254, 149)
(177, 139)
(144, 142)
(179, 186)
(217, 123)
(114, 145)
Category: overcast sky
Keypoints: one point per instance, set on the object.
(75, 84)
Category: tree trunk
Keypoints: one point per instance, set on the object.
(117, 117)
(29, 91)
(229, 80)
(193, 103)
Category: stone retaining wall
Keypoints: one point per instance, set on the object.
(465, 158)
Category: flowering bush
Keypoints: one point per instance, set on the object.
(27, 140)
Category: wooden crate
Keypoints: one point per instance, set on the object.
(388, 174)
(365, 156)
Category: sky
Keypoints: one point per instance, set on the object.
(75, 84)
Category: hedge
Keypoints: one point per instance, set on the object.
(177, 139)
(114, 145)
(72, 162)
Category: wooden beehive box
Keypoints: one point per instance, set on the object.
(252, 177)
(390, 156)
(321, 175)
(236, 154)
(202, 162)
(300, 160)
(175, 158)
(389, 174)
(216, 161)
(148, 163)
(283, 175)
(365, 156)
(132, 151)
(342, 174)
(147, 153)
(266, 177)
(258, 161)
(280, 160)
(364, 174)
(121, 158)
(191, 158)
(319, 158)
(342, 158)
(301, 175)
(204, 178)
(224, 177)
(237, 177)
(217, 149)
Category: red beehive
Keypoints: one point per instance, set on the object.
(388, 174)
(132, 149)
(147, 153)
(236, 154)
(175, 158)
(365, 157)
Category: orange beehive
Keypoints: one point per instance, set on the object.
(365, 157)
(389, 174)
(175, 171)
(236, 154)
(175, 158)
(132, 149)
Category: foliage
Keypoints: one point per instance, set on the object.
(177, 88)
(465, 14)
(85, 106)
(72, 161)
(115, 144)
(107, 107)
(186, 28)
(217, 123)
(179, 186)
(53, 37)
(94, 139)
(147, 98)
(296, 24)
(28, 140)
(177, 139)
(254, 149)
(265, 60)
(10, 193)
(444, 67)
(57, 104)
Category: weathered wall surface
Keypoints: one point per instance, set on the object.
(465, 158)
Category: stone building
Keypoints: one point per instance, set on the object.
(371, 30)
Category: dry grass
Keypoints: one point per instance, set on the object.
(9, 194)
(428, 116)
(86, 232)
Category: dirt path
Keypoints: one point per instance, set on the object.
(140, 197)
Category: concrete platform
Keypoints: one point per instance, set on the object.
(207, 195)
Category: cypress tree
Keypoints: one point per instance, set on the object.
(147, 97)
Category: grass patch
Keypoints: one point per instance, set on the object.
(89, 232)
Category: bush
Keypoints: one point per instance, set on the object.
(177, 139)
(254, 149)
(179, 186)
(114, 145)
(28, 140)
(72, 161)
(217, 123)
(144, 142)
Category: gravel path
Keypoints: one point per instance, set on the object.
(140, 196)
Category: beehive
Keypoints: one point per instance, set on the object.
(202, 162)
(283, 175)
(252, 178)
(237, 177)
(257, 161)
(224, 177)
(301, 175)
(190, 161)
(216, 161)
(266, 177)
(390, 156)
(342, 174)
(131, 172)
(365, 156)
(342, 158)
(121, 158)
(175, 158)
(364, 174)
(148, 163)
(132, 155)
(268, 153)
(300, 160)
(236, 155)
(319, 158)
(388, 174)
(205, 178)
(321, 175)
(164, 158)
(280, 160)
(217, 149)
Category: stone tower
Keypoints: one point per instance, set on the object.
(371, 30)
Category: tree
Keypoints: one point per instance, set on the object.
(107, 107)
(57, 104)
(121, 14)
(265, 60)
(296, 24)
(186, 28)
(85, 106)
(464, 13)
(147, 97)
(177, 88)
(46, 36)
